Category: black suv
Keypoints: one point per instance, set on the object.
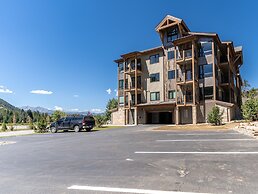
(76, 123)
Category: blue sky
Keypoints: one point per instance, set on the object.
(67, 48)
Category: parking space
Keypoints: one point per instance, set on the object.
(131, 160)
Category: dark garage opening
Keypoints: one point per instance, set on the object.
(159, 118)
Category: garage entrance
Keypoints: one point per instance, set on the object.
(159, 118)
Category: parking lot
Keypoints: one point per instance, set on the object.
(130, 160)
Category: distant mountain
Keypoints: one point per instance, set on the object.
(5, 105)
(45, 110)
(38, 108)
(8, 106)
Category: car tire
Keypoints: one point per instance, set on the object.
(53, 129)
(76, 128)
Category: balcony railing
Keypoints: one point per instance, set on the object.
(132, 67)
(189, 99)
(184, 99)
(183, 54)
(180, 100)
(185, 77)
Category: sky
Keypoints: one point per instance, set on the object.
(60, 54)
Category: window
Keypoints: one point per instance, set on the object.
(121, 100)
(121, 67)
(154, 77)
(154, 96)
(201, 74)
(188, 74)
(205, 48)
(121, 84)
(139, 98)
(172, 94)
(154, 59)
(171, 55)
(132, 64)
(208, 92)
(172, 35)
(205, 71)
(171, 74)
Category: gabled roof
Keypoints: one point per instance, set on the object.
(169, 21)
(138, 53)
(191, 35)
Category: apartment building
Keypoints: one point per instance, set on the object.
(180, 81)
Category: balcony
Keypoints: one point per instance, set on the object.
(185, 100)
(132, 88)
(183, 56)
(189, 99)
(130, 69)
(185, 78)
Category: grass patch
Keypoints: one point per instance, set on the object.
(226, 126)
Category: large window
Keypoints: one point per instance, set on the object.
(121, 84)
(172, 94)
(154, 96)
(171, 74)
(121, 100)
(154, 77)
(205, 71)
(205, 48)
(121, 67)
(208, 92)
(154, 59)
(171, 55)
(172, 35)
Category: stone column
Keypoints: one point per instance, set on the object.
(194, 114)
(177, 116)
(136, 116)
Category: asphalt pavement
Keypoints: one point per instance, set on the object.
(130, 160)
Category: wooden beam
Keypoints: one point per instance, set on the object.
(193, 71)
(167, 26)
(214, 73)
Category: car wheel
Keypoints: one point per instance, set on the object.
(53, 130)
(76, 128)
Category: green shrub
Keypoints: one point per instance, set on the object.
(250, 109)
(41, 127)
(100, 120)
(215, 116)
(4, 127)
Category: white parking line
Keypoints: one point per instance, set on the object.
(211, 153)
(125, 190)
(183, 140)
(200, 134)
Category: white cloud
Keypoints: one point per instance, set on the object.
(96, 110)
(44, 92)
(5, 90)
(75, 96)
(58, 108)
(109, 91)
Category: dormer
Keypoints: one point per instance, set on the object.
(170, 29)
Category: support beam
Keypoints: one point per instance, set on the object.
(177, 116)
(194, 114)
